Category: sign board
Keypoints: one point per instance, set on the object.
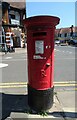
(15, 22)
(39, 47)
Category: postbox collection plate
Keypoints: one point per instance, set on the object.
(39, 47)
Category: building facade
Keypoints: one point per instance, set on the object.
(13, 14)
(66, 33)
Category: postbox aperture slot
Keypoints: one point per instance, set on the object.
(39, 47)
(39, 34)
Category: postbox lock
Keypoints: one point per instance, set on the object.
(47, 64)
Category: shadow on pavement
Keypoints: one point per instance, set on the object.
(13, 103)
(19, 103)
(64, 114)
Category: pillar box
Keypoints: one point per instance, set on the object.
(40, 48)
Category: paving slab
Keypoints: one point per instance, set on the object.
(2, 53)
(67, 101)
(54, 112)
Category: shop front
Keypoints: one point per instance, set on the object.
(12, 17)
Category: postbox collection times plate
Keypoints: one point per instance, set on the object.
(39, 47)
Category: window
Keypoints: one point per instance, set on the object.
(12, 16)
(65, 35)
(60, 35)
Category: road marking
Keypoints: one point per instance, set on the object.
(24, 84)
(16, 83)
(3, 65)
(63, 51)
(56, 50)
(75, 89)
(66, 58)
(65, 85)
(13, 86)
(15, 60)
(67, 51)
(21, 83)
(8, 58)
(63, 82)
(70, 52)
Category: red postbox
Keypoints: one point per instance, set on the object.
(40, 47)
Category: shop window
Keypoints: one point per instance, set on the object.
(12, 16)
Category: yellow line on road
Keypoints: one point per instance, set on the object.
(24, 84)
(65, 82)
(15, 83)
(65, 85)
(13, 86)
(75, 89)
(18, 86)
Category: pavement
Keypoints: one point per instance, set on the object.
(20, 50)
(2, 53)
(17, 50)
(64, 106)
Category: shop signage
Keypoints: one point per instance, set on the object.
(15, 22)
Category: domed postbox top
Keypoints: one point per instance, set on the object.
(41, 20)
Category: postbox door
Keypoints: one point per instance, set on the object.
(41, 62)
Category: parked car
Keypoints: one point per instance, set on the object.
(72, 42)
(57, 42)
(63, 43)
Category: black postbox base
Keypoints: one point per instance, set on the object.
(40, 100)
